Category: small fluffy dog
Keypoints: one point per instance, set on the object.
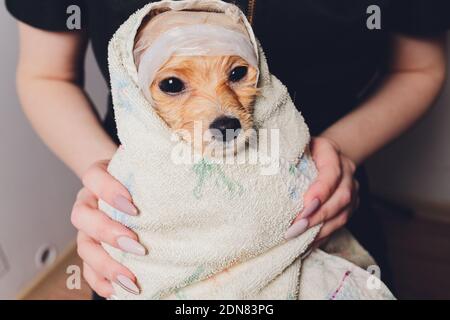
(216, 230)
(215, 92)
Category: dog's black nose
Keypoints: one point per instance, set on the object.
(225, 128)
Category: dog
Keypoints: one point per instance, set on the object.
(215, 230)
(214, 93)
(217, 92)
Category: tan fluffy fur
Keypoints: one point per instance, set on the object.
(208, 94)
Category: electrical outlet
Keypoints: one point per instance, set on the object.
(4, 267)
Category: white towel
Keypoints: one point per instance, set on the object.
(214, 231)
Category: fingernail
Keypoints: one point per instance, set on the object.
(124, 205)
(131, 246)
(296, 229)
(112, 296)
(127, 284)
(313, 206)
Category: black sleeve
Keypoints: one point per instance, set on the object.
(49, 15)
(419, 17)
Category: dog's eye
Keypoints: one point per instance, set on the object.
(171, 85)
(238, 73)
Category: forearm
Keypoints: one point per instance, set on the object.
(401, 101)
(405, 95)
(62, 115)
(49, 70)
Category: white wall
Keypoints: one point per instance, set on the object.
(36, 189)
(417, 166)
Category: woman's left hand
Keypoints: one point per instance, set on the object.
(334, 194)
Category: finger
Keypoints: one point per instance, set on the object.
(96, 257)
(106, 187)
(321, 146)
(332, 225)
(341, 199)
(100, 285)
(87, 197)
(329, 175)
(100, 227)
(331, 211)
(327, 180)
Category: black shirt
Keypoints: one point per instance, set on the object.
(321, 49)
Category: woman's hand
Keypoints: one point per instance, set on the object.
(95, 227)
(334, 194)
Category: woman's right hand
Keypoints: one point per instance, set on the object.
(94, 227)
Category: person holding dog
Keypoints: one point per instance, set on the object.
(358, 88)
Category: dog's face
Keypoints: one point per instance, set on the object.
(215, 92)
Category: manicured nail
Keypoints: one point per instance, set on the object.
(296, 229)
(313, 206)
(124, 205)
(112, 296)
(127, 284)
(131, 246)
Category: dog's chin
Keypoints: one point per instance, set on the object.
(218, 149)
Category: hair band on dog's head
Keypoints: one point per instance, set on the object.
(192, 40)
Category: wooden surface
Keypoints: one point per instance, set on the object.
(419, 253)
(53, 286)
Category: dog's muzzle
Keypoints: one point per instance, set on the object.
(225, 128)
